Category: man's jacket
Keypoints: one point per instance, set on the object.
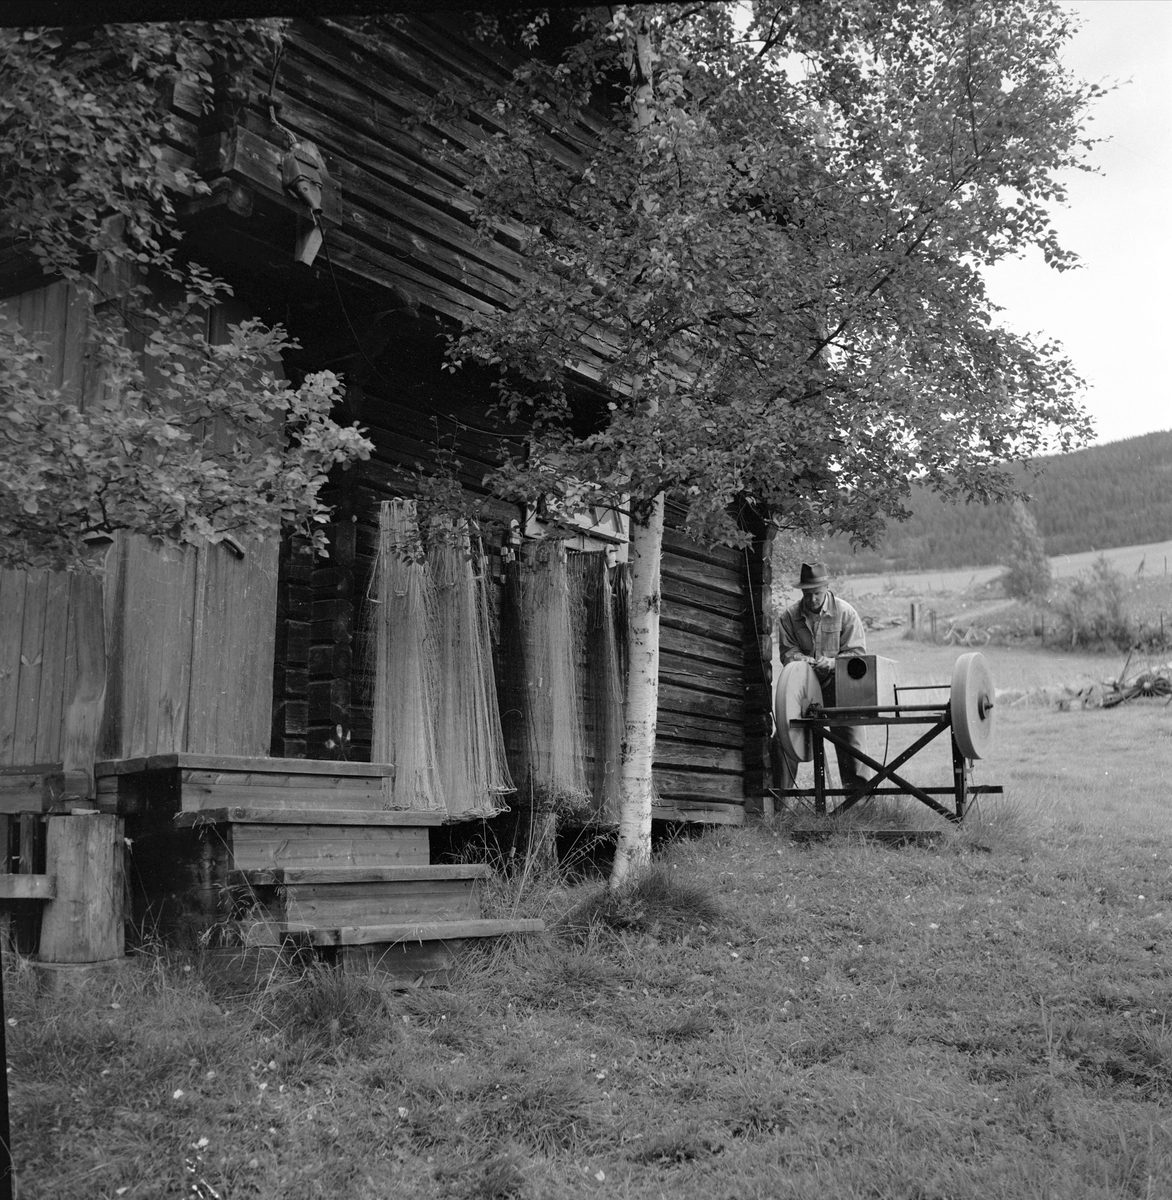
(837, 630)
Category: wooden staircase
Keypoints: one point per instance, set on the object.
(270, 852)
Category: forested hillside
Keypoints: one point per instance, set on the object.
(1119, 494)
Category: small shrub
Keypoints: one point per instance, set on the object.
(1091, 608)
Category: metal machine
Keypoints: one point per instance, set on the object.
(866, 693)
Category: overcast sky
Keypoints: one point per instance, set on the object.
(1114, 315)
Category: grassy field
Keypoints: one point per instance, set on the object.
(1151, 560)
(986, 1016)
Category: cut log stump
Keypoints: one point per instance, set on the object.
(83, 923)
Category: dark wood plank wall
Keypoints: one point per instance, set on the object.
(189, 648)
(398, 235)
(699, 751)
(401, 224)
(420, 421)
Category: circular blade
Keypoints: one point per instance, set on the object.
(972, 705)
(797, 688)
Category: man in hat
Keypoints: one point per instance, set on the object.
(817, 629)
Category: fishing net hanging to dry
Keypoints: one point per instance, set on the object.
(404, 704)
(554, 752)
(468, 735)
(602, 685)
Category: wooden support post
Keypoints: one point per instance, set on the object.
(30, 859)
(758, 666)
(83, 925)
(917, 618)
(5, 869)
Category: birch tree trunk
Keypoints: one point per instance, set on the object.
(635, 785)
(636, 793)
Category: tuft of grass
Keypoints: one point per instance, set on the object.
(499, 1177)
(657, 901)
(322, 1009)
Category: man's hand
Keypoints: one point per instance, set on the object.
(824, 664)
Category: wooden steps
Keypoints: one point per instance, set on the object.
(389, 935)
(274, 852)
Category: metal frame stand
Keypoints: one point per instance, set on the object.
(822, 724)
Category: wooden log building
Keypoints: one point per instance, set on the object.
(213, 698)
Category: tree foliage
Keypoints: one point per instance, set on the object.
(1027, 573)
(1103, 496)
(181, 435)
(785, 261)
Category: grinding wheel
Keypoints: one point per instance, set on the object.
(972, 705)
(797, 688)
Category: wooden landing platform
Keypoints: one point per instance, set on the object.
(300, 853)
(206, 782)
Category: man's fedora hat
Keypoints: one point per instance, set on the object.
(814, 575)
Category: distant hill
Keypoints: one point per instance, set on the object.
(1119, 494)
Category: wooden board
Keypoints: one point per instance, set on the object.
(700, 814)
(12, 592)
(697, 785)
(51, 703)
(357, 935)
(241, 815)
(696, 675)
(325, 847)
(27, 887)
(31, 789)
(700, 728)
(232, 641)
(670, 753)
(195, 798)
(296, 875)
(150, 595)
(85, 679)
(259, 764)
(32, 657)
(381, 903)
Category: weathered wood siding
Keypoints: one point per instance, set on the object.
(699, 751)
(171, 647)
(158, 649)
(38, 662)
(190, 634)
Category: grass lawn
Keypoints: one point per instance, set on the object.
(982, 1017)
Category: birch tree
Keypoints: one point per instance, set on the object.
(761, 230)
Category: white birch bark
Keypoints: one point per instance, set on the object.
(635, 786)
(633, 849)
